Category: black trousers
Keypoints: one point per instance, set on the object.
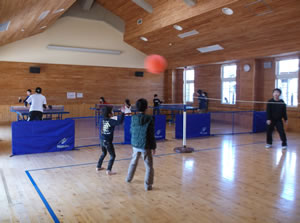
(156, 111)
(279, 126)
(107, 147)
(35, 115)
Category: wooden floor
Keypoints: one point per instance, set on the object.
(227, 179)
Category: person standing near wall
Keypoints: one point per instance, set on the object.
(204, 102)
(25, 100)
(37, 103)
(276, 111)
(156, 104)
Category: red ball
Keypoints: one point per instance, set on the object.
(155, 64)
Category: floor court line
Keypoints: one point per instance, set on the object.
(78, 147)
(158, 155)
(5, 187)
(47, 205)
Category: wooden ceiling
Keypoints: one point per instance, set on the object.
(24, 14)
(165, 12)
(257, 28)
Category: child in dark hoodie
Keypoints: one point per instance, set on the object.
(143, 143)
(276, 111)
(107, 136)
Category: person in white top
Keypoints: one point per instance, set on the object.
(126, 108)
(37, 103)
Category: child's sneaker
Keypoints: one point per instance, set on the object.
(268, 146)
(109, 173)
(284, 147)
(98, 169)
(148, 188)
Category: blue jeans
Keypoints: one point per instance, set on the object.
(107, 147)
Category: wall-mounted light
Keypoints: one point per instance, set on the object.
(86, 50)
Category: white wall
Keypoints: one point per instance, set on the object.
(76, 32)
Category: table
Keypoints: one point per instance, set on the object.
(175, 109)
(116, 109)
(23, 112)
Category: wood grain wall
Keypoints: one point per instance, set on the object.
(265, 85)
(255, 85)
(115, 84)
(168, 88)
(178, 86)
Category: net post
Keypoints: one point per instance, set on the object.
(232, 123)
(184, 126)
(184, 148)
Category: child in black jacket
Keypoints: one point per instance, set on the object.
(276, 111)
(106, 138)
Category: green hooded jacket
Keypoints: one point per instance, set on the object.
(142, 131)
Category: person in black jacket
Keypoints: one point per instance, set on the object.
(107, 136)
(276, 111)
(156, 104)
(199, 98)
(143, 143)
(25, 100)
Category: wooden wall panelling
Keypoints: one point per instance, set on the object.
(246, 85)
(267, 86)
(179, 86)
(256, 85)
(168, 86)
(115, 84)
(174, 81)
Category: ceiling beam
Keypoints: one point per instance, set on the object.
(96, 12)
(145, 5)
(190, 3)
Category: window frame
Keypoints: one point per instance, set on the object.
(190, 82)
(287, 76)
(228, 79)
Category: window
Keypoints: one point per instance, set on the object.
(228, 78)
(189, 91)
(287, 80)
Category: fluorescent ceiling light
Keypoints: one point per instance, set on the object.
(227, 11)
(58, 11)
(177, 27)
(86, 50)
(43, 15)
(210, 48)
(190, 2)
(4, 26)
(144, 5)
(187, 34)
(144, 38)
